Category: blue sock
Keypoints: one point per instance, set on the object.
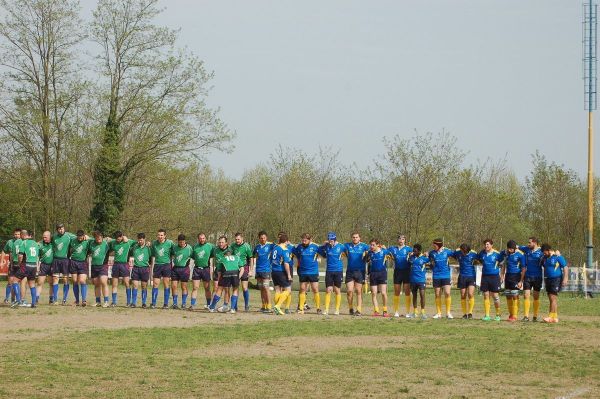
(83, 292)
(234, 300)
(97, 299)
(175, 299)
(55, 292)
(166, 295)
(114, 298)
(183, 299)
(17, 291)
(154, 296)
(208, 301)
(144, 296)
(105, 299)
(193, 301)
(34, 298)
(128, 294)
(214, 302)
(76, 292)
(134, 296)
(246, 298)
(7, 291)
(65, 292)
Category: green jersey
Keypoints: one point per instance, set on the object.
(244, 251)
(162, 251)
(230, 264)
(46, 252)
(12, 248)
(120, 250)
(79, 249)
(202, 254)
(218, 254)
(99, 252)
(30, 251)
(182, 256)
(141, 255)
(60, 244)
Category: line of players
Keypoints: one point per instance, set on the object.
(63, 255)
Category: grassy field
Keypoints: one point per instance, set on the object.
(75, 352)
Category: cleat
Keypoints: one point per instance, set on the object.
(424, 316)
(64, 302)
(224, 309)
(300, 311)
(306, 307)
(33, 305)
(233, 311)
(153, 306)
(83, 304)
(547, 319)
(247, 309)
(437, 316)
(55, 303)
(143, 305)
(287, 311)
(97, 305)
(324, 313)
(14, 304)
(525, 318)
(511, 319)
(133, 305)
(336, 313)
(470, 316)
(357, 313)
(319, 311)
(277, 310)
(206, 307)
(535, 318)
(376, 314)
(465, 316)
(165, 306)
(385, 314)
(449, 316)
(190, 308)
(497, 318)
(486, 318)
(6, 302)
(410, 316)
(211, 310)
(174, 306)
(351, 311)
(113, 305)
(396, 314)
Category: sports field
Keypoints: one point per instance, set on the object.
(63, 351)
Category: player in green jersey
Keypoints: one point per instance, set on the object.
(78, 267)
(202, 270)
(11, 249)
(139, 261)
(28, 257)
(61, 241)
(46, 258)
(98, 251)
(119, 247)
(161, 267)
(182, 254)
(244, 251)
(229, 270)
(218, 254)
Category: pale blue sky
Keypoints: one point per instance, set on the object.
(505, 77)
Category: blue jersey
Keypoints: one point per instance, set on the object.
(279, 256)
(377, 260)
(262, 254)
(307, 258)
(553, 265)
(356, 256)
(441, 262)
(333, 254)
(290, 249)
(490, 262)
(466, 262)
(400, 256)
(515, 262)
(417, 266)
(532, 260)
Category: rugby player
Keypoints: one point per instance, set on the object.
(244, 251)
(417, 262)
(139, 259)
(98, 250)
(491, 279)
(290, 250)
(377, 257)
(120, 247)
(440, 262)
(333, 251)
(307, 254)
(229, 268)
(281, 273)
(356, 252)
(218, 255)
(11, 248)
(513, 270)
(401, 274)
(466, 278)
(61, 242)
(533, 278)
(46, 258)
(556, 270)
(78, 266)
(202, 264)
(182, 254)
(161, 267)
(262, 264)
(28, 257)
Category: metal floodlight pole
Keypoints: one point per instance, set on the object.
(590, 11)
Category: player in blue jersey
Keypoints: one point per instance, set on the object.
(491, 280)
(307, 254)
(281, 273)
(377, 257)
(356, 252)
(533, 278)
(442, 277)
(333, 251)
(401, 274)
(556, 270)
(466, 278)
(262, 264)
(418, 262)
(290, 250)
(513, 270)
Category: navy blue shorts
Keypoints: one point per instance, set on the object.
(441, 282)
(309, 278)
(401, 276)
(245, 275)
(60, 266)
(511, 280)
(180, 274)
(229, 281)
(465, 281)
(99, 271)
(280, 279)
(45, 270)
(120, 270)
(357, 276)
(333, 279)
(13, 269)
(532, 283)
(414, 287)
(161, 271)
(78, 267)
(553, 285)
(263, 275)
(378, 278)
(200, 273)
(140, 273)
(490, 283)
(26, 271)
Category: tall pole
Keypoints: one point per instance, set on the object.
(590, 177)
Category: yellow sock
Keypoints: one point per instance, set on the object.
(282, 297)
(376, 309)
(396, 303)
(338, 302)
(463, 305)
(526, 306)
(327, 301)
(317, 300)
(302, 300)
(407, 303)
(268, 306)
(276, 297)
(416, 311)
(448, 304)
(509, 305)
(359, 308)
(438, 305)
(515, 307)
(486, 307)
(536, 307)
(288, 301)
(385, 308)
(471, 305)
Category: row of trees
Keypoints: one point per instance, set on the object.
(116, 139)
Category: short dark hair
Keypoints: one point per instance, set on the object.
(546, 247)
(262, 233)
(118, 234)
(465, 247)
(534, 239)
(438, 241)
(97, 233)
(418, 247)
(223, 238)
(374, 240)
(201, 234)
(511, 244)
(283, 237)
(181, 237)
(162, 231)
(488, 240)
(141, 235)
(238, 234)
(59, 225)
(80, 233)
(355, 232)
(17, 229)
(306, 236)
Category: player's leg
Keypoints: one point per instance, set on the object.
(526, 299)
(314, 287)
(115, 288)
(31, 282)
(438, 301)
(217, 296)
(328, 292)
(75, 283)
(195, 288)
(471, 297)
(235, 288)
(496, 297)
(374, 299)
(407, 293)
(82, 281)
(302, 296)
(144, 284)
(184, 288)
(397, 290)
(382, 288)
(486, 306)
(126, 283)
(358, 290)
(350, 295)
(166, 280)
(337, 290)
(105, 289)
(463, 300)
(536, 300)
(174, 285)
(448, 298)
(97, 289)
(41, 280)
(422, 297)
(135, 284)
(155, 284)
